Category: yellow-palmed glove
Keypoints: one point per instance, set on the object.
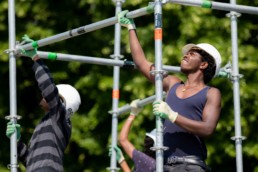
(162, 109)
(134, 108)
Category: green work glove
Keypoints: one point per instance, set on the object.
(162, 109)
(28, 53)
(119, 154)
(10, 129)
(134, 108)
(126, 22)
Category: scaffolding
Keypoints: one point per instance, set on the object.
(159, 72)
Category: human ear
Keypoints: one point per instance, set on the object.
(204, 65)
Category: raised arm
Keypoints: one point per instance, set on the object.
(42, 74)
(141, 62)
(123, 136)
(46, 84)
(139, 58)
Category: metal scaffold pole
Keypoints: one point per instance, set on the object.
(158, 72)
(85, 29)
(97, 60)
(115, 92)
(13, 117)
(217, 5)
(126, 108)
(235, 79)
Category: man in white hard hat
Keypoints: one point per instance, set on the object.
(192, 108)
(51, 136)
(143, 160)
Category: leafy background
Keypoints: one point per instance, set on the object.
(88, 148)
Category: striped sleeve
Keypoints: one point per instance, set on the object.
(46, 84)
(22, 152)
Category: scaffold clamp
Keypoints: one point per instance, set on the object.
(9, 166)
(113, 56)
(16, 117)
(155, 148)
(238, 138)
(163, 72)
(233, 14)
(110, 168)
(118, 1)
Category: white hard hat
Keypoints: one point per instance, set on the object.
(70, 96)
(211, 50)
(152, 135)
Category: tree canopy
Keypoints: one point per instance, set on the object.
(91, 135)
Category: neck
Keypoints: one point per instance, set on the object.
(194, 80)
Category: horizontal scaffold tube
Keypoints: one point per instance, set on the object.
(88, 28)
(126, 108)
(217, 6)
(97, 60)
(85, 59)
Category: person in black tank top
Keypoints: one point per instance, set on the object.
(192, 108)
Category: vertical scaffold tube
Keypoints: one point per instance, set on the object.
(115, 92)
(12, 76)
(235, 79)
(158, 82)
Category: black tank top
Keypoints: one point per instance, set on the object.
(179, 141)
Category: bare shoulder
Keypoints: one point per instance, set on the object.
(214, 93)
(169, 81)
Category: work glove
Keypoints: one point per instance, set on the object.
(28, 53)
(162, 109)
(10, 129)
(134, 108)
(126, 22)
(119, 154)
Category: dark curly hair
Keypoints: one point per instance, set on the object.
(209, 72)
(148, 143)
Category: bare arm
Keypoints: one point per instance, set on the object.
(139, 57)
(125, 166)
(210, 116)
(123, 136)
(144, 65)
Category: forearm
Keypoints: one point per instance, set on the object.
(199, 128)
(125, 166)
(138, 55)
(45, 83)
(126, 128)
(210, 116)
(123, 136)
(22, 152)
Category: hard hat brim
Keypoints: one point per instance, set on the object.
(188, 47)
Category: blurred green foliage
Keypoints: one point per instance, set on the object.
(88, 148)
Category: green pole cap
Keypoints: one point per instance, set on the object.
(52, 56)
(35, 44)
(207, 4)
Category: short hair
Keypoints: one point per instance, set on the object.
(208, 72)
